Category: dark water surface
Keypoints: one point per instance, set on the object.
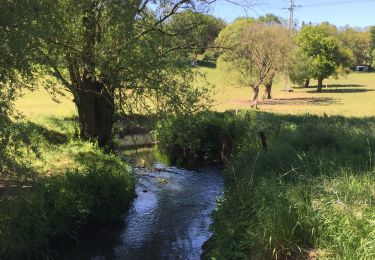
(169, 218)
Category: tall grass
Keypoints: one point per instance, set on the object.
(72, 185)
(310, 194)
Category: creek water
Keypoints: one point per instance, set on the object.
(168, 219)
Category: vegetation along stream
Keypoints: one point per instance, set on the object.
(168, 219)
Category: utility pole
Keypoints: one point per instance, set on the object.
(291, 8)
(291, 25)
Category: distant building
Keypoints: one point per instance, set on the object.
(362, 68)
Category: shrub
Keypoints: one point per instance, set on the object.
(200, 137)
(61, 206)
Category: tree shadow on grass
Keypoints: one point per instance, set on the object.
(319, 101)
(341, 90)
(335, 86)
(345, 86)
(51, 136)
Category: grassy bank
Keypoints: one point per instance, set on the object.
(310, 194)
(54, 186)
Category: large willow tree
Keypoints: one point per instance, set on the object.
(110, 54)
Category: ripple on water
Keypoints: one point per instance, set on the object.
(167, 220)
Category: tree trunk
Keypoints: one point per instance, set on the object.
(320, 85)
(307, 83)
(255, 97)
(95, 105)
(268, 90)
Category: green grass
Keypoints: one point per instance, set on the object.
(310, 194)
(353, 95)
(40, 103)
(56, 185)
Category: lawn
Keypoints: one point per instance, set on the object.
(353, 95)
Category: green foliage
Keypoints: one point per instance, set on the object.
(256, 50)
(122, 45)
(310, 193)
(59, 207)
(298, 69)
(88, 196)
(200, 137)
(73, 185)
(195, 32)
(302, 196)
(359, 43)
(323, 49)
(372, 43)
(270, 19)
(24, 228)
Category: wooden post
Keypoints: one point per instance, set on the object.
(263, 139)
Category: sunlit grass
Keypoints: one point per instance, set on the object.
(40, 103)
(355, 95)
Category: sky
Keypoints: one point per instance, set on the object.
(356, 13)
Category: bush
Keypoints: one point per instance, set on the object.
(61, 203)
(24, 228)
(201, 137)
(61, 206)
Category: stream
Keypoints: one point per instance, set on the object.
(168, 219)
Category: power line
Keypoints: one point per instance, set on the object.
(292, 6)
(337, 3)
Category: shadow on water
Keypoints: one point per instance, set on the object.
(169, 218)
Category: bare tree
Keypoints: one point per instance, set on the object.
(256, 50)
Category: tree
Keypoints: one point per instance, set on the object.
(359, 43)
(111, 55)
(256, 50)
(270, 19)
(324, 53)
(372, 42)
(298, 69)
(195, 32)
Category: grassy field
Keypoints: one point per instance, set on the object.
(353, 95)
(40, 103)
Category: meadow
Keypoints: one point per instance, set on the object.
(352, 95)
(308, 195)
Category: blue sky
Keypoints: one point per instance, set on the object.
(360, 13)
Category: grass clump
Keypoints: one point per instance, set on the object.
(206, 136)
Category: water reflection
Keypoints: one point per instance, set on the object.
(169, 218)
